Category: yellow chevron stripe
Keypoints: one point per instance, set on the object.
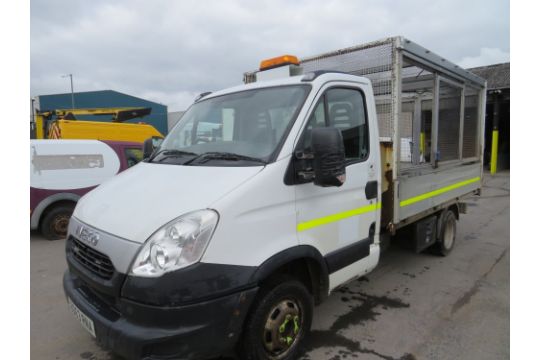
(337, 217)
(437, 192)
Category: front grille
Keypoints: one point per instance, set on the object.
(97, 263)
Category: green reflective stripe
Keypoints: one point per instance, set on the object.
(438, 192)
(337, 217)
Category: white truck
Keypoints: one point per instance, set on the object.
(266, 197)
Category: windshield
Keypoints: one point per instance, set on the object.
(245, 128)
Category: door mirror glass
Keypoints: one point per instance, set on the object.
(150, 145)
(328, 156)
(148, 148)
(133, 156)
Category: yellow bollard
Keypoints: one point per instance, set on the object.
(494, 150)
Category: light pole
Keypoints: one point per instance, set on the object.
(72, 95)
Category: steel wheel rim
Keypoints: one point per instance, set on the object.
(283, 328)
(449, 233)
(60, 225)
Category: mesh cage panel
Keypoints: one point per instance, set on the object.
(406, 133)
(415, 120)
(426, 126)
(449, 114)
(376, 61)
(373, 61)
(470, 123)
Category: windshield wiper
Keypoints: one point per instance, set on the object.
(171, 153)
(224, 156)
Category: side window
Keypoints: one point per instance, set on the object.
(345, 111)
(133, 156)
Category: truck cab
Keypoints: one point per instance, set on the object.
(263, 199)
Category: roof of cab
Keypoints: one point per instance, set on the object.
(293, 80)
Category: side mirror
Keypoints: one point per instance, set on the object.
(328, 156)
(148, 148)
(156, 141)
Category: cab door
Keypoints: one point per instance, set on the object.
(341, 221)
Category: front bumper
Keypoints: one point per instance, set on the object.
(139, 331)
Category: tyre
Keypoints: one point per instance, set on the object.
(55, 222)
(278, 322)
(447, 239)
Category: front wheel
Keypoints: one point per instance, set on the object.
(278, 322)
(55, 222)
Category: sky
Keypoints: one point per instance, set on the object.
(169, 51)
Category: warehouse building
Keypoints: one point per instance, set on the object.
(497, 114)
(105, 99)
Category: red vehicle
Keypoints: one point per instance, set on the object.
(61, 171)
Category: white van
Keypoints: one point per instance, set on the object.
(262, 200)
(61, 171)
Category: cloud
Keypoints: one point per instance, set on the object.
(487, 56)
(170, 49)
(178, 100)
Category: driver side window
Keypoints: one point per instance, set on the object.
(344, 110)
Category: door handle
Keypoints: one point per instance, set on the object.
(371, 189)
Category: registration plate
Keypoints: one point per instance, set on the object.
(85, 321)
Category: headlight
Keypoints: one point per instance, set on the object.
(177, 244)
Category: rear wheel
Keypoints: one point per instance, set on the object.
(55, 222)
(278, 322)
(446, 242)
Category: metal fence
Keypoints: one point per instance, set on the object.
(449, 122)
(373, 61)
(470, 123)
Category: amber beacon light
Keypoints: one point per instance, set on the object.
(279, 61)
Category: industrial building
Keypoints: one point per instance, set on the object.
(105, 99)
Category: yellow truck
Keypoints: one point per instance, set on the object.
(67, 126)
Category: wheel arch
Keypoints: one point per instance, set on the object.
(48, 203)
(304, 262)
(453, 208)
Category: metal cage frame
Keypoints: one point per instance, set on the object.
(384, 62)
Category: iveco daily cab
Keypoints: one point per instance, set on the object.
(266, 197)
